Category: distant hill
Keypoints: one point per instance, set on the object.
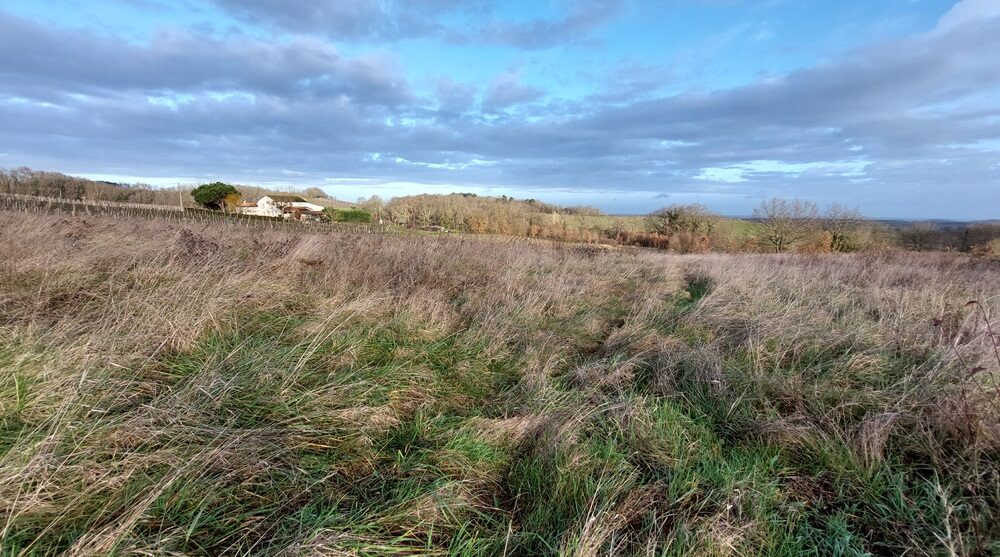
(27, 181)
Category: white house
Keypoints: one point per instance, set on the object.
(287, 206)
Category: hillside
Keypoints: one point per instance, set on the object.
(25, 181)
(203, 388)
(701, 231)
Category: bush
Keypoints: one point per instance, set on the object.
(348, 215)
(693, 219)
(921, 236)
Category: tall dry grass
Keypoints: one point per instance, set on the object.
(171, 388)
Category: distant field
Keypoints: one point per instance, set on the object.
(331, 202)
(603, 222)
(172, 387)
(737, 227)
(638, 223)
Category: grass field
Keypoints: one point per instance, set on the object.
(170, 388)
(629, 223)
(733, 227)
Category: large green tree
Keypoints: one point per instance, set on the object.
(216, 195)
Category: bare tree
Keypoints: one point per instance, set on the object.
(842, 223)
(696, 219)
(315, 192)
(920, 236)
(375, 206)
(400, 212)
(782, 223)
(54, 184)
(423, 215)
(8, 181)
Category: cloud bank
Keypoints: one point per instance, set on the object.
(898, 126)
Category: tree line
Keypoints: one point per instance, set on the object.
(468, 212)
(781, 225)
(26, 181)
(777, 225)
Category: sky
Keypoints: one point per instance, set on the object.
(892, 106)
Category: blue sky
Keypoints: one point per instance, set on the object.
(626, 104)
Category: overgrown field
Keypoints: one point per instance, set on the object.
(169, 388)
(730, 227)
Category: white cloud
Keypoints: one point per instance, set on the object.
(968, 11)
(923, 110)
(744, 171)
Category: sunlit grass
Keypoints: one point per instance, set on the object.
(218, 391)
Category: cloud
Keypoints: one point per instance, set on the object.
(582, 17)
(454, 98)
(969, 12)
(507, 90)
(346, 19)
(898, 126)
(390, 20)
(629, 81)
(34, 58)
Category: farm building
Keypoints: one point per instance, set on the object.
(287, 206)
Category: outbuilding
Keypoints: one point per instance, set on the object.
(287, 206)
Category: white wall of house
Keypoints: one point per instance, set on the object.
(267, 207)
(307, 206)
(261, 211)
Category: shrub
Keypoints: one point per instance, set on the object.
(692, 219)
(348, 215)
(920, 236)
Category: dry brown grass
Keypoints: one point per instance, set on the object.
(207, 389)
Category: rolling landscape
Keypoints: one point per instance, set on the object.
(177, 385)
(590, 278)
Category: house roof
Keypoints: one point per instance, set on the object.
(302, 210)
(287, 198)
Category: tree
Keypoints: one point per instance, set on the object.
(232, 201)
(216, 195)
(842, 223)
(476, 222)
(782, 223)
(583, 211)
(315, 192)
(694, 219)
(920, 236)
(375, 206)
(980, 234)
(399, 212)
(11, 180)
(423, 215)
